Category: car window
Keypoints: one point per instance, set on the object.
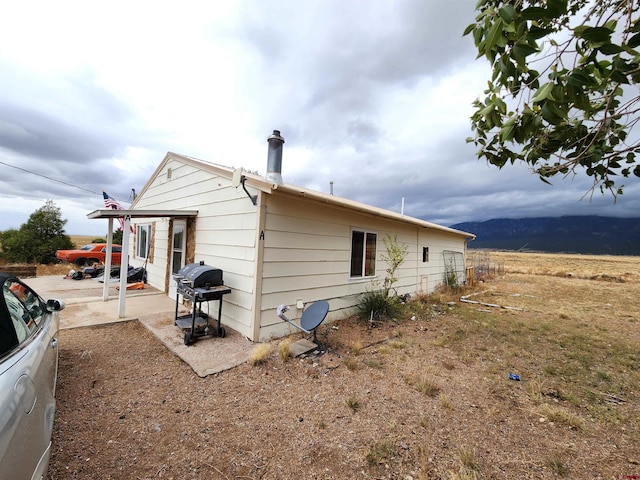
(24, 305)
(18, 300)
(86, 247)
(115, 249)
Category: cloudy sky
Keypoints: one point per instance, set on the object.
(372, 95)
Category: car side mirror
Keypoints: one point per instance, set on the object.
(54, 305)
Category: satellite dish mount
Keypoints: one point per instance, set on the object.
(239, 179)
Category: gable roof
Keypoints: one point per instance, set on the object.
(263, 185)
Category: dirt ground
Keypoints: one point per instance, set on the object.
(419, 398)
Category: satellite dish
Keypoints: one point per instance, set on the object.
(237, 178)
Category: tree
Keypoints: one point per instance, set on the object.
(576, 110)
(393, 255)
(38, 239)
(117, 237)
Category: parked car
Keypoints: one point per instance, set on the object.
(28, 370)
(90, 254)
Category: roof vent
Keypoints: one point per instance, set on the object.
(274, 158)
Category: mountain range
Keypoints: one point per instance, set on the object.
(571, 234)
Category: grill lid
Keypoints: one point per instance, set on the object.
(197, 275)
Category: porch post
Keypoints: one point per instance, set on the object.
(107, 262)
(124, 264)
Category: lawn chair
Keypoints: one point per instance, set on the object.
(311, 318)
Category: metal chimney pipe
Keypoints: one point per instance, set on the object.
(274, 158)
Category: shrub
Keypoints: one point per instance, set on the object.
(375, 304)
(379, 302)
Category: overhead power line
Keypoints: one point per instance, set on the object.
(49, 178)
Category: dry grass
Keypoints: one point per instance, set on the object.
(429, 387)
(353, 403)
(350, 363)
(560, 415)
(260, 354)
(284, 349)
(621, 269)
(80, 240)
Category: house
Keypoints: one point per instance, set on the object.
(278, 243)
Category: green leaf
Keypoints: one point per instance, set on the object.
(535, 32)
(506, 133)
(494, 34)
(534, 13)
(580, 78)
(622, 65)
(469, 29)
(548, 174)
(507, 129)
(521, 51)
(594, 34)
(619, 77)
(610, 49)
(557, 7)
(634, 41)
(552, 114)
(543, 92)
(508, 13)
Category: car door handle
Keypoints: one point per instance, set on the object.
(54, 343)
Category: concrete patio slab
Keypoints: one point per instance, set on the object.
(156, 311)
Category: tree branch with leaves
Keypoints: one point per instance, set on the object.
(563, 96)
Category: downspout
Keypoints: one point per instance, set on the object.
(418, 282)
(256, 308)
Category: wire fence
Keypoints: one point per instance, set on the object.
(481, 266)
(455, 271)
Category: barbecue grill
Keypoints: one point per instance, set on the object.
(199, 283)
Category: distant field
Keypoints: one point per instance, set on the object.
(613, 268)
(80, 240)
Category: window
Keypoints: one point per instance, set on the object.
(425, 254)
(143, 239)
(363, 253)
(25, 309)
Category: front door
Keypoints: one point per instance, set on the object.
(178, 250)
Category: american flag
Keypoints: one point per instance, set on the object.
(111, 202)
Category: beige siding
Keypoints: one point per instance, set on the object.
(307, 251)
(225, 233)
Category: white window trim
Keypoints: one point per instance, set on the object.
(139, 228)
(364, 254)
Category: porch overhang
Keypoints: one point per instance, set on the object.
(127, 215)
(137, 213)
